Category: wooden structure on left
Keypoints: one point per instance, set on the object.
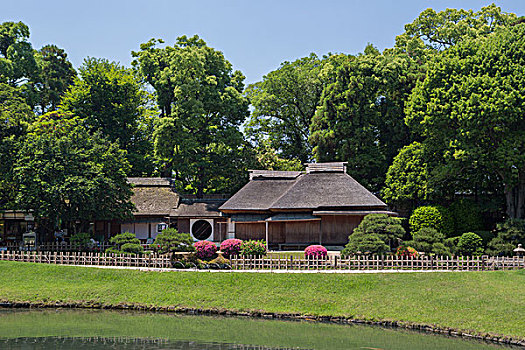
(159, 206)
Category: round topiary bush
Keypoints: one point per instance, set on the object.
(205, 250)
(315, 251)
(231, 247)
(470, 244)
(425, 217)
(253, 248)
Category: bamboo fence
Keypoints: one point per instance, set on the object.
(358, 262)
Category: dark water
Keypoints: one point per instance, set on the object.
(101, 329)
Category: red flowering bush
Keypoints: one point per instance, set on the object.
(205, 250)
(405, 251)
(231, 247)
(315, 251)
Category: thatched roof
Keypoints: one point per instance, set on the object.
(154, 201)
(198, 208)
(323, 188)
(156, 197)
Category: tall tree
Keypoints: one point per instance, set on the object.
(111, 100)
(202, 107)
(469, 110)
(285, 101)
(15, 115)
(56, 74)
(441, 30)
(67, 175)
(361, 119)
(17, 60)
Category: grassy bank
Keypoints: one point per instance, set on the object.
(474, 301)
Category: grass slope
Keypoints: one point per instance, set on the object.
(475, 301)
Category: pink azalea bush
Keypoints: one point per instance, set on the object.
(205, 250)
(315, 251)
(231, 247)
(405, 251)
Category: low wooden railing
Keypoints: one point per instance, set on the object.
(88, 258)
(58, 247)
(332, 263)
(375, 262)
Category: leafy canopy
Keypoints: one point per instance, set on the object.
(67, 175)
(200, 97)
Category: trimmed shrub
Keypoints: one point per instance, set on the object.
(406, 251)
(365, 243)
(170, 240)
(253, 248)
(131, 248)
(508, 235)
(122, 239)
(385, 227)
(425, 217)
(430, 241)
(470, 244)
(452, 244)
(315, 251)
(231, 247)
(205, 250)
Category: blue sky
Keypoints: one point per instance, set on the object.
(256, 36)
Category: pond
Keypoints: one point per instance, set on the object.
(100, 329)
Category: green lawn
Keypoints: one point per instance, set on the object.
(473, 301)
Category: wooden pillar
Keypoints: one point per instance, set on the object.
(267, 236)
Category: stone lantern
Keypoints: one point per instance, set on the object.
(520, 251)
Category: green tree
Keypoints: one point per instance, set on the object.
(15, 115)
(170, 240)
(406, 181)
(17, 60)
(125, 243)
(67, 175)
(200, 97)
(441, 30)
(55, 76)
(268, 159)
(111, 100)
(429, 240)
(426, 217)
(469, 112)
(360, 119)
(470, 244)
(285, 101)
(365, 243)
(374, 233)
(508, 235)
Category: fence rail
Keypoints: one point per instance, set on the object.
(58, 247)
(88, 258)
(376, 262)
(390, 262)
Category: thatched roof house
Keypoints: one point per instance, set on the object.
(158, 205)
(291, 208)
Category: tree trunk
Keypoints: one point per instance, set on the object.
(515, 197)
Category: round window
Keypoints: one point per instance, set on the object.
(201, 229)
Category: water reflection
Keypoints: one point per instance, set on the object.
(98, 329)
(61, 343)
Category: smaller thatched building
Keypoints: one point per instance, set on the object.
(295, 209)
(159, 206)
